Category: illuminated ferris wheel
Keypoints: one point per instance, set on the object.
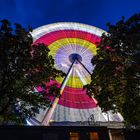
(72, 46)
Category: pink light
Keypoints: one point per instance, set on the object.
(56, 35)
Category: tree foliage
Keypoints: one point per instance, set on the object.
(23, 67)
(115, 81)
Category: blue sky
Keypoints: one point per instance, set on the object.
(41, 12)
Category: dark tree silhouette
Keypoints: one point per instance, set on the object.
(115, 81)
(23, 67)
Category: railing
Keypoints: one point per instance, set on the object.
(110, 124)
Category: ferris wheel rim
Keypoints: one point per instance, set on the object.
(40, 31)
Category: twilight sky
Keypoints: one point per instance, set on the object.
(93, 12)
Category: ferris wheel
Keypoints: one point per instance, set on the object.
(72, 46)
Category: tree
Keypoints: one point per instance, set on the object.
(23, 67)
(115, 81)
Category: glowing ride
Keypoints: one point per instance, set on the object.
(72, 46)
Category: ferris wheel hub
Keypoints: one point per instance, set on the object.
(74, 57)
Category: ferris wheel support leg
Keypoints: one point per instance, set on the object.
(89, 74)
(50, 111)
(84, 67)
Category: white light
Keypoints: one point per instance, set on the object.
(81, 78)
(37, 33)
(29, 123)
(64, 65)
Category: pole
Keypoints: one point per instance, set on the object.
(51, 109)
(89, 74)
(84, 66)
